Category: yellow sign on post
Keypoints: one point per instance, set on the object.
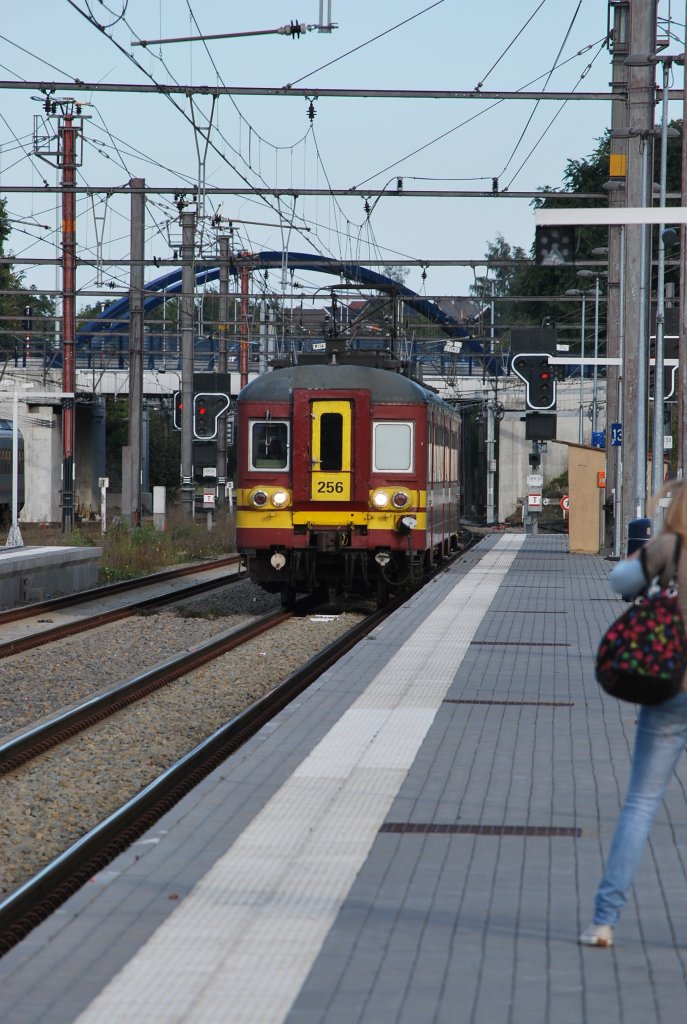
(617, 165)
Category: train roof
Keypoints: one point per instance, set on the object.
(383, 385)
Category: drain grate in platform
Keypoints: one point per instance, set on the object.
(513, 703)
(427, 828)
(516, 643)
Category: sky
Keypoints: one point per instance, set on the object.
(551, 45)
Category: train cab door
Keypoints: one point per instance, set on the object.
(331, 450)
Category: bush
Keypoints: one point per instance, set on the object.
(127, 553)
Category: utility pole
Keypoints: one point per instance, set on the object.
(188, 235)
(64, 151)
(615, 310)
(67, 131)
(637, 262)
(136, 285)
(222, 365)
(682, 370)
(244, 343)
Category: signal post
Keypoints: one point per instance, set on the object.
(534, 370)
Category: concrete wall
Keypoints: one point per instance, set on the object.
(37, 574)
(41, 428)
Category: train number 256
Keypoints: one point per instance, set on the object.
(330, 487)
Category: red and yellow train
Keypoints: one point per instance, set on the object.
(348, 479)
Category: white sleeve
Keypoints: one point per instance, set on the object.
(628, 577)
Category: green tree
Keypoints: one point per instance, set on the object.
(116, 437)
(396, 273)
(585, 175)
(13, 306)
(165, 450)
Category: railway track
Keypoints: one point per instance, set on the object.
(35, 899)
(112, 589)
(33, 742)
(33, 616)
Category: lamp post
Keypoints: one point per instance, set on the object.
(666, 60)
(582, 292)
(596, 275)
(657, 471)
(487, 293)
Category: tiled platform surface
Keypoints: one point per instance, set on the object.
(417, 839)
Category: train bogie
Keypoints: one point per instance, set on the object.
(347, 479)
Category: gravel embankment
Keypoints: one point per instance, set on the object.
(41, 682)
(54, 800)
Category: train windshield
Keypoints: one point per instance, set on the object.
(393, 447)
(269, 444)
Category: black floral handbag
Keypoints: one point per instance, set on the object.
(642, 656)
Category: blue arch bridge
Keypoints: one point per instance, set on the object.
(102, 343)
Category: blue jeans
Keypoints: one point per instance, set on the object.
(661, 738)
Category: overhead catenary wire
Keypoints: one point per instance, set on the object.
(348, 226)
(510, 45)
(483, 112)
(548, 127)
(536, 105)
(366, 43)
(219, 76)
(177, 106)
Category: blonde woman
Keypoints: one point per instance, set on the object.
(661, 729)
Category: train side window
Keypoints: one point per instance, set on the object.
(393, 447)
(269, 444)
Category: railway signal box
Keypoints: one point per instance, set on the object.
(176, 412)
(207, 408)
(533, 368)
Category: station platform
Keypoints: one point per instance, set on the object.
(417, 838)
(39, 573)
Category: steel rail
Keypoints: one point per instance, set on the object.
(34, 901)
(46, 636)
(112, 589)
(36, 740)
(38, 898)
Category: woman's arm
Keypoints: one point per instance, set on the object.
(628, 577)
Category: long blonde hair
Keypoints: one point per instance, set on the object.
(675, 515)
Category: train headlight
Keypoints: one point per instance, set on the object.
(400, 499)
(259, 498)
(280, 499)
(380, 499)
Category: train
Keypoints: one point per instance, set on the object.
(347, 478)
(6, 470)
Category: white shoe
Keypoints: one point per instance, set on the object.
(597, 935)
